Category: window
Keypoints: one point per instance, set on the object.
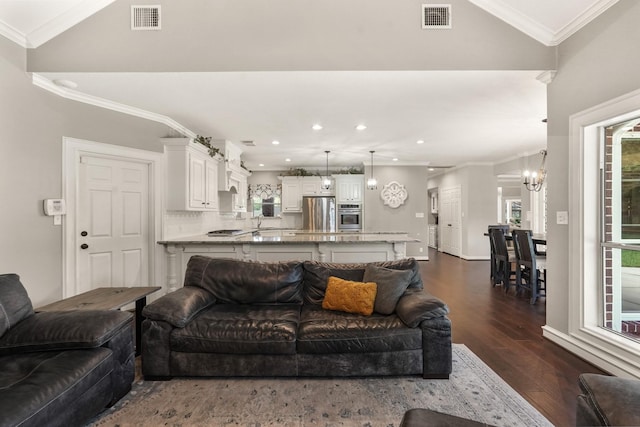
(620, 201)
(265, 200)
(600, 228)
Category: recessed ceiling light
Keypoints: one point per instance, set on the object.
(419, 141)
(361, 127)
(274, 142)
(316, 127)
(261, 164)
(287, 160)
(431, 169)
(395, 159)
(66, 83)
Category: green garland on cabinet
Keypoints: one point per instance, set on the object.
(206, 141)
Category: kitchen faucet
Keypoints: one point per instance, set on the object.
(260, 217)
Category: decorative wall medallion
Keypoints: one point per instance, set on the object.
(394, 194)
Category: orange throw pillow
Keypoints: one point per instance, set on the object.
(350, 297)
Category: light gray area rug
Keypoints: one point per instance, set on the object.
(473, 391)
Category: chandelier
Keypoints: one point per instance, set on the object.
(533, 181)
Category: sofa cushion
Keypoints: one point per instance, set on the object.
(417, 305)
(54, 388)
(15, 304)
(60, 330)
(240, 329)
(246, 282)
(317, 273)
(349, 296)
(323, 331)
(391, 286)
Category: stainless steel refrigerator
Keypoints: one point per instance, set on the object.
(319, 213)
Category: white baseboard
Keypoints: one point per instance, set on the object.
(421, 258)
(475, 257)
(592, 354)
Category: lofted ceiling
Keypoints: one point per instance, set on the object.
(461, 116)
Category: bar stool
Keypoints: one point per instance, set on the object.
(531, 270)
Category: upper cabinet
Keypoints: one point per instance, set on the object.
(434, 202)
(295, 187)
(192, 176)
(349, 188)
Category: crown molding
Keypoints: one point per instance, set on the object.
(74, 95)
(536, 30)
(582, 20)
(54, 27)
(517, 19)
(12, 34)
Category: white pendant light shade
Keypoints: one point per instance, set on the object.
(326, 182)
(372, 184)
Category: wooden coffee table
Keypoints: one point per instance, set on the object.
(108, 299)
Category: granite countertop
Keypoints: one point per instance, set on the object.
(267, 236)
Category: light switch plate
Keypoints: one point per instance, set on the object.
(562, 217)
(419, 214)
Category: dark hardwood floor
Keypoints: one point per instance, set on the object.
(504, 330)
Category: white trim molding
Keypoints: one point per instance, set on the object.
(72, 150)
(55, 26)
(74, 95)
(537, 31)
(585, 336)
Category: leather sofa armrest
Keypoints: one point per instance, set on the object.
(179, 307)
(417, 305)
(612, 401)
(61, 330)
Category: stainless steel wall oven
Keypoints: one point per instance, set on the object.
(349, 217)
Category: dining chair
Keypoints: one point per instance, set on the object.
(531, 269)
(505, 229)
(504, 260)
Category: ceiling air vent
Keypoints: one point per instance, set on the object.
(248, 143)
(436, 16)
(145, 17)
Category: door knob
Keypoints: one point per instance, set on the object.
(83, 233)
(84, 246)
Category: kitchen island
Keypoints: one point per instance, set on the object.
(282, 245)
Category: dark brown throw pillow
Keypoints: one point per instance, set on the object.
(391, 286)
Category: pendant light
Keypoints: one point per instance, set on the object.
(372, 184)
(533, 180)
(326, 182)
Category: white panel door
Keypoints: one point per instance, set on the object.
(113, 223)
(450, 220)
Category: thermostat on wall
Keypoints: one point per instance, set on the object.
(54, 207)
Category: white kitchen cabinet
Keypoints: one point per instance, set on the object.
(349, 188)
(433, 236)
(295, 187)
(434, 202)
(312, 186)
(192, 176)
(291, 194)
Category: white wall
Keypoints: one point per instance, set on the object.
(478, 186)
(32, 125)
(222, 35)
(595, 65)
(380, 217)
